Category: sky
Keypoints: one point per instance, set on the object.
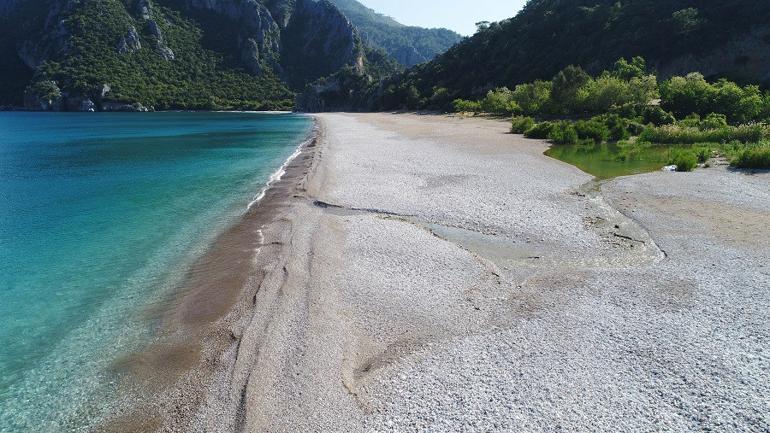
(458, 15)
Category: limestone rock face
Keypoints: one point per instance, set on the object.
(294, 41)
(281, 11)
(79, 103)
(257, 26)
(320, 40)
(130, 42)
(250, 56)
(124, 106)
(160, 44)
(144, 9)
(300, 40)
(6, 6)
(31, 54)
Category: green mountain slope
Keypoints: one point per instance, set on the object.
(173, 54)
(717, 37)
(408, 45)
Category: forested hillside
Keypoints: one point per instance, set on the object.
(715, 37)
(174, 54)
(407, 44)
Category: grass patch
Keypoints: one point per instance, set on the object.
(675, 134)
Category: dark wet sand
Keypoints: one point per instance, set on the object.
(164, 383)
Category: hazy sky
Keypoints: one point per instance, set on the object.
(458, 15)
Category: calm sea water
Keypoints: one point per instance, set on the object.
(99, 215)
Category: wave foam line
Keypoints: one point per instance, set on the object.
(277, 175)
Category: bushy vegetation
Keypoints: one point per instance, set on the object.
(533, 98)
(498, 101)
(676, 134)
(693, 94)
(593, 130)
(684, 160)
(623, 103)
(657, 116)
(755, 157)
(540, 131)
(521, 124)
(630, 91)
(464, 106)
(563, 133)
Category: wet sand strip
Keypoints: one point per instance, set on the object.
(163, 385)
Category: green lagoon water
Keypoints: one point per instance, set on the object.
(99, 216)
(610, 160)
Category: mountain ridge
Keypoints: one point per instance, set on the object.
(409, 45)
(676, 37)
(87, 55)
(721, 39)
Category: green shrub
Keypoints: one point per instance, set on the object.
(465, 106)
(693, 94)
(692, 120)
(533, 98)
(635, 128)
(563, 133)
(617, 126)
(521, 124)
(685, 160)
(713, 121)
(703, 154)
(627, 110)
(540, 131)
(500, 101)
(637, 68)
(592, 130)
(441, 98)
(609, 93)
(757, 157)
(565, 88)
(747, 133)
(657, 116)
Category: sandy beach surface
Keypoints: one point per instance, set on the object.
(438, 274)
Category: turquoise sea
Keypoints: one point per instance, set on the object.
(100, 214)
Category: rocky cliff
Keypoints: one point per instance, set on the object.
(202, 54)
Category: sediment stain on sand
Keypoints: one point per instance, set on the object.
(374, 314)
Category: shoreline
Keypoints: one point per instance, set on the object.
(23, 110)
(417, 273)
(197, 329)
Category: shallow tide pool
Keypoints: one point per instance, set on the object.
(608, 160)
